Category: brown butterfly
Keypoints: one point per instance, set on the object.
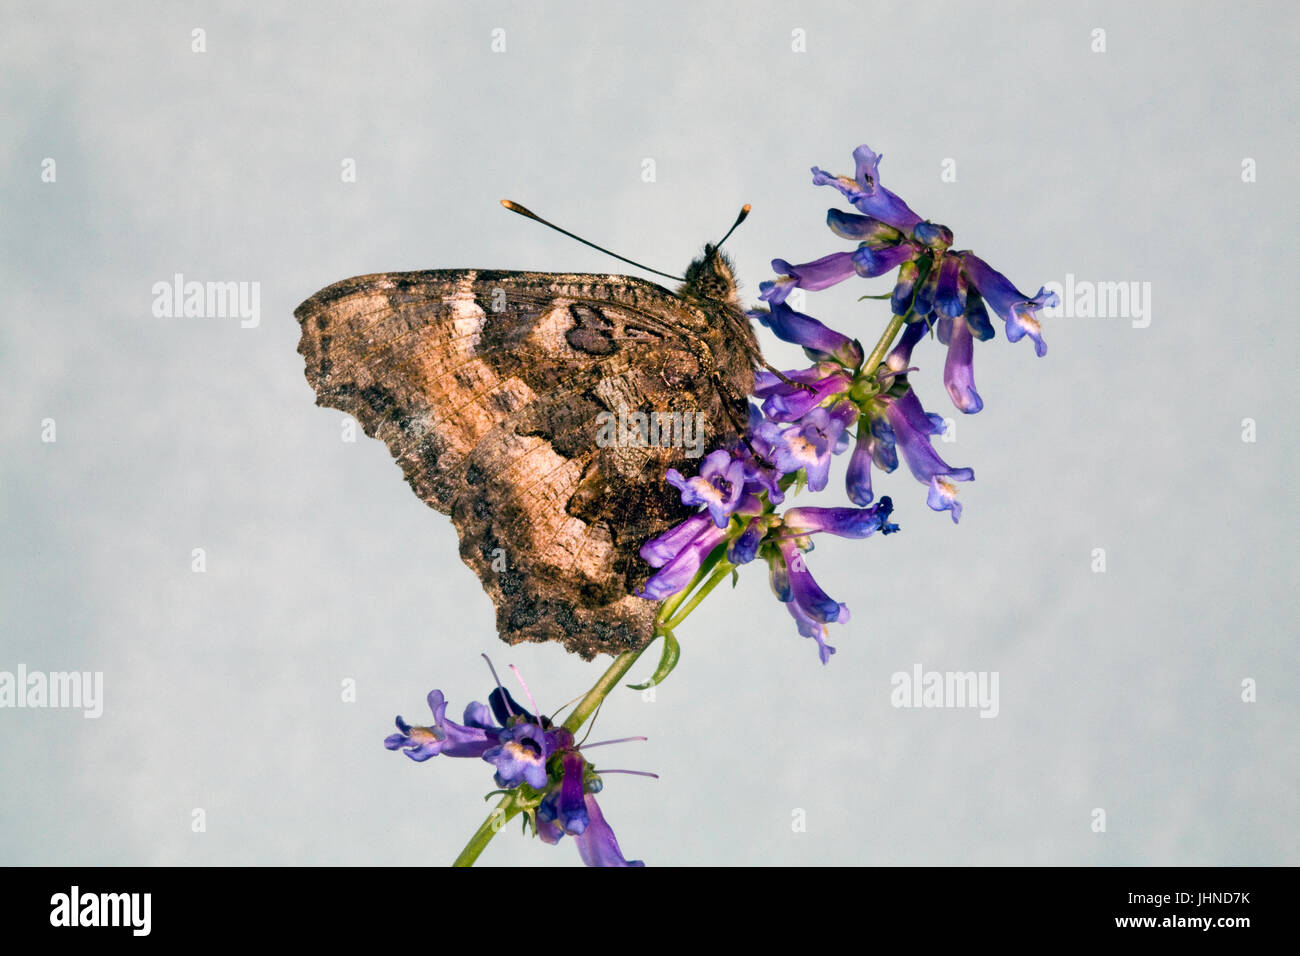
(510, 400)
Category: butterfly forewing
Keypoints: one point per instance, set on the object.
(498, 394)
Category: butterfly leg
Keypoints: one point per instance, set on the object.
(756, 357)
(740, 427)
(781, 376)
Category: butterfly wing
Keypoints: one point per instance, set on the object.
(496, 392)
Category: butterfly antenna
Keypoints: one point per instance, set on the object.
(524, 211)
(744, 214)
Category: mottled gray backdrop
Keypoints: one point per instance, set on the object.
(1167, 157)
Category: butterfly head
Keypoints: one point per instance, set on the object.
(711, 276)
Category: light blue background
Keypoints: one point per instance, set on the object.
(1119, 690)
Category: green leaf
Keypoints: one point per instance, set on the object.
(667, 661)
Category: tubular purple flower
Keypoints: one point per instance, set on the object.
(596, 843)
(809, 444)
(900, 357)
(959, 367)
(884, 448)
(857, 481)
(869, 262)
(805, 591)
(943, 497)
(718, 486)
(950, 290)
(849, 225)
(678, 572)
(444, 736)
(520, 757)
(812, 629)
(923, 301)
(745, 547)
(820, 273)
(821, 342)
(913, 427)
(778, 575)
(932, 235)
(1012, 306)
(776, 290)
(845, 522)
(786, 403)
(565, 805)
(977, 317)
(866, 194)
(659, 551)
(905, 287)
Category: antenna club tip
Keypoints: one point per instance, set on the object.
(745, 209)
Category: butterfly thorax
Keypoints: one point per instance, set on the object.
(711, 277)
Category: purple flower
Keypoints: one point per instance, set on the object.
(570, 808)
(659, 551)
(784, 402)
(933, 236)
(950, 288)
(857, 481)
(869, 262)
(809, 444)
(520, 757)
(900, 357)
(813, 629)
(923, 300)
(959, 368)
(444, 736)
(744, 548)
(822, 344)
(943, 497)
(565, 805)
(912, 428)
(849, 225)
(866, 194)
(1012, 306)
(718, 486)
(900, 301)
(812, 276)
(678, 572)
(845, 522)
(597, 844)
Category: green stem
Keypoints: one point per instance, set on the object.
(596, 696)
(720, 572)
(499, 817)
(666, 619)
(886, 340)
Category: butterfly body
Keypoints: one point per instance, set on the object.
(496, 391)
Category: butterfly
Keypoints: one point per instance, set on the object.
(520, 404)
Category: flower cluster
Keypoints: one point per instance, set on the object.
(536, 759)
(846, 398)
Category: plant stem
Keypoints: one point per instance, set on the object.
(510, 806)
(886, 340)
(498, 818)
(723, 568)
